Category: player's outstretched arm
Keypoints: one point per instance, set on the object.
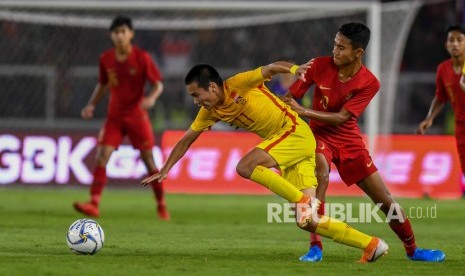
(284, 67)
(88, 111)
(152, 97)
(330, 118)
(435, 108)
(178, 151)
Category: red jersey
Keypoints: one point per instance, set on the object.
(331, 95)
(448, 89)
(127, 80)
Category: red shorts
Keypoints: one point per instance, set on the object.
(353, 162)
(137, 128)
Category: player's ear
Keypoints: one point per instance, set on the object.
(359, 52)
(213, 87)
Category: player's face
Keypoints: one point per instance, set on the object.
(455, 43)
(343, 51)
(207, 98)
(122, 36)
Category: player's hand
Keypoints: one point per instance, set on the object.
(300, 72)
(423, 126)
(88, 112)
(295, 106)
(286, 98)
(159, 176)
(148, 103)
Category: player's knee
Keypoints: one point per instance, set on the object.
(243, 169)
(102, 158)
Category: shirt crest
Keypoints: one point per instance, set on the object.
(238, 99)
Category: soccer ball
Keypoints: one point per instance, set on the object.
(85, 236)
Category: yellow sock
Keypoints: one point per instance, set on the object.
(341, 232)
(276, 184)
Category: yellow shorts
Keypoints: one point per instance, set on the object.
(302, 174)
(294, 151)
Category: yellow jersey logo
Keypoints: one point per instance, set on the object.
(237, 98)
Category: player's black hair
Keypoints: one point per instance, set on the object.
(203, 74)
(119, 21)
(358, 33)
(457, 27)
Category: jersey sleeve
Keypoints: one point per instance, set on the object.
(441, 92)
(246, 80)
(357, 104)
(203, 121)
(152, 71)
(102, 74)
(300, 87)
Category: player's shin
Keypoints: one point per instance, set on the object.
(100, 179)
(159, 194)
(315, 239)
(342, 233)
(405, 233)
(276, 184)
(158, 191)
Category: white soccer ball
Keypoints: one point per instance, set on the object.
(85, 236)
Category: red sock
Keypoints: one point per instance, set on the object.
(158, 191)
(315, 239)
(100, 179)
(405, 233)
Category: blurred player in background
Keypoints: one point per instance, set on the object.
(124, 70)
(449, 79)
(343, 88)
(288, 144)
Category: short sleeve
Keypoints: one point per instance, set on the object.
(102, 74)
(246, 80)
(357, 104)
(441, 92)
(300, 87)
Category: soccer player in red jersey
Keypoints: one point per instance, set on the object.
(448, 84)
(343, 88)
(124, 70)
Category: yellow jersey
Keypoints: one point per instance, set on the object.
(250, 105)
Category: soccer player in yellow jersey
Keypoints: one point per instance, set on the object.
(288, 144)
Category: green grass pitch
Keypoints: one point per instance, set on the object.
(208, 235)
